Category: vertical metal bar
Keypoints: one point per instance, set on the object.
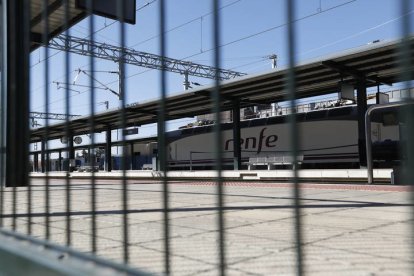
(131, 153)
(92, 130)
(108, 148)
(121, 85)
(29, 187)
(405, 63)
(294, 131)
(218, 136)
(17, 150)
(362, 109)
(162, 150)
(17, 99)
(236, 135)
(3, 7)
(368, 148)
(67, 127)
(42, 156)
(60, 160)
(45, 39)
(122, 93)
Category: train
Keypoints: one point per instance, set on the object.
(328, 138)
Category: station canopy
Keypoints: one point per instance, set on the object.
(377, 63)
(57, 23)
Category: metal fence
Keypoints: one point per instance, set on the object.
(28, 202)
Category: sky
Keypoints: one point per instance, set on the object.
(251, 30)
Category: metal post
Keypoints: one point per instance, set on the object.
(121, 77)
(60, 161)
(17, 112)
(132, 155)
(36, 162)
(236, 135)
(186, 82)
(71, 151)
(108, 154)
(47, 161)
(42, 156)
(273, 58)
(362, 108)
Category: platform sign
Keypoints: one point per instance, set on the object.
(346, 91)
(77, 140)
(382, 98)
(131, 131)
(64, 140)
(108, 8)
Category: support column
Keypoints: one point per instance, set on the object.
(48, 161)
(71, 151)
(132, 155)
(36, 162)
(42, 157)
(60, 161)
(90, 162)
(108, 153)
(121, 78)
(15, 105)
(362, 109)
(236, 135)
(186, 82)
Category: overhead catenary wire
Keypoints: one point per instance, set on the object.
(274, 28)
(142, 7)
(246, 37)
(185, 23)
(337, 41)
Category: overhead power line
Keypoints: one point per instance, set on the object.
(130, 56)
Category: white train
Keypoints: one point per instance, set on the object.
(328, 138)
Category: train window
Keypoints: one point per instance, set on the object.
(316, 115)
(226, 126)
(389, 119)
(198, 130)
(276, 120)
(300, 117)
(244, 124)
(187, 131)
(336, 112)
(209, 128)
(259, 122)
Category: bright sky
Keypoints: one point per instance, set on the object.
(251, 31)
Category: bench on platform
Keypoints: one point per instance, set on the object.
(88, 168)
(146, 167)
(273, 161)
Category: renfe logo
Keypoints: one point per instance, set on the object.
(251, 142)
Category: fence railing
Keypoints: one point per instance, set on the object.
(97, 218)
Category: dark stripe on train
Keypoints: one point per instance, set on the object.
(350, 157)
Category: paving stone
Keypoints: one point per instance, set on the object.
(344, 231)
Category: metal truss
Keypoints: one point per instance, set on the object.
(51, 116)
(130, 56)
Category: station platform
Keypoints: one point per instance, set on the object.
(321, 176)
(348, 228)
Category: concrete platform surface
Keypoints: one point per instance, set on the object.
(347, 229)
(318, 175)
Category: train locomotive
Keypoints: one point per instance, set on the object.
(328, 138)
